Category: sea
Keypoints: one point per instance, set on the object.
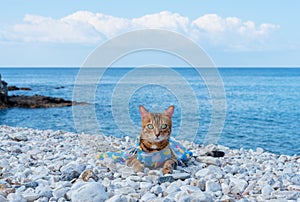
(260, 106)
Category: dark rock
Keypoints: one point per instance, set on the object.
(31, 185)
(60, 87)
(14, 88)
(3, 94)
(215, 154)
(38, 101)
(164, 179)
(70, 175)
(24, 101)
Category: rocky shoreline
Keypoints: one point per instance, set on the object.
(25, 101)
(45, 165)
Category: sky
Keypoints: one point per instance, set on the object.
(62, 33)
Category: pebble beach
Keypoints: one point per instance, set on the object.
(45, 165)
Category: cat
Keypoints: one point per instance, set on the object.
(155, 137)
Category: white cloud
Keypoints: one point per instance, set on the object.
(90, 28)
(232, 33)
(163, 20)
(43, 29)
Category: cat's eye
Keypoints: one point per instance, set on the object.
(150, 126)
(164, 126)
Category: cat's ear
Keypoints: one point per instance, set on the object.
(143, 111)
(169, 112)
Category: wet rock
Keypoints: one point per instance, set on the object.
(14, 88)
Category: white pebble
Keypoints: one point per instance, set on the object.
(148, 196)
(91, 191)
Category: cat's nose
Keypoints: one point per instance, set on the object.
(157, 134)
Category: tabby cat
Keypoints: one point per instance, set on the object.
(154, 137)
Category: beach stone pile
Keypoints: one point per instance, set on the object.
(45, 165)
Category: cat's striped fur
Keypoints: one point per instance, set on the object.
(155, 134)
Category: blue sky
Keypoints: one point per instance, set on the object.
(234, 33)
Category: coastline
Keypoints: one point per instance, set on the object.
(45, 165)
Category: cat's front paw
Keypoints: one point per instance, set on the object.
(135, 164)
(139, 167)
(169, 165)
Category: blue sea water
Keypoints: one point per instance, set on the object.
(263, 104)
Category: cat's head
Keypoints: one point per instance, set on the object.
(156, 127)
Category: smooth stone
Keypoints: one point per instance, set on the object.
(44, 191)
(201, 197)
(259, 150)
(211, 170)
(15, 197)
(31, 185)
(172, 188)
(30, 196)
(209, 160)
(156, 189)
(288, 195)
(225, 188)
(89, 191)
(116, 198)
(237, 186)
(61, 200)
(148, 196)
(166, 178)
(182, 196)
(267, 190)
(2, 198)
(181, 176)
(72, 170)
(295, 179)
(145, 185)
(125, 190)
(135, 178)
(133, 184)
(60, 192)
(190, 188)
(212, 186)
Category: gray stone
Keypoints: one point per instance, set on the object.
(116, 198)
(201, 197)
(212, 186)
(60, 192)
(16, 197)
(2, 198)
(182, 196)
(190, 188)
(288, 195)
(148, 196)
(259, 150)
(173, 187)
(133, 184)
(267, 190)
(156, 189)
(211, 170)
(30, 196)
(72, 170)
(125, 190)
(90, 191)
(181, 176)
(237, 186)
(43, 199)
(209, 160)
(145, 185)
